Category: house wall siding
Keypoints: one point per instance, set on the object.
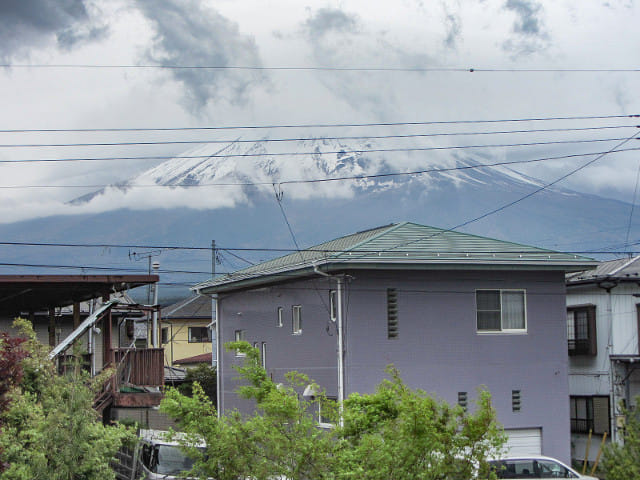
(438, 347)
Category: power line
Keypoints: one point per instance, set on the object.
(303, 139)
(324, 68)
(230, 249)
(328, 179)
(514, 202)
(320, 125)
(331, 152)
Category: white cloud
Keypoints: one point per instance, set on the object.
(349, 33)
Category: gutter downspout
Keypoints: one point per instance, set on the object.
(215, 362)
(608, 286)
(339, 321)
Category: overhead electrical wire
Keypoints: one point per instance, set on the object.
(230, 249)
(297, 154)
(518, 200)
(303, 139)
(320, 68)
(328, 179)
(320, 125)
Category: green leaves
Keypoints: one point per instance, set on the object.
(396, 433)
(50, 430)
(623, 461)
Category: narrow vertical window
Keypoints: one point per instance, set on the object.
(333, 305)
(279, 317)
(392, 313)
(296, 319)
(264, 355)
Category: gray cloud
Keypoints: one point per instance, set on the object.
(189, 34)
(529, 29)
(330, 20)
(25, 24)
(452, 23)
(527, 22)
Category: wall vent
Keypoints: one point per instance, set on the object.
(515, 400)
(462, 400)
(392, 313)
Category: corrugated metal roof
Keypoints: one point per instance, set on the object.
(619, 269)
(407, 244)
(198, 306)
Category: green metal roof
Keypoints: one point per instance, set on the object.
(401, 246)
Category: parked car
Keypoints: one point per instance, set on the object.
(155, 457)
(535, 467)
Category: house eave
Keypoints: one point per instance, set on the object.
(228, 283)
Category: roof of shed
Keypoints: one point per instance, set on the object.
(201, 358)
(25, 293)
(400, 246)
(198, 306)
(622, 269)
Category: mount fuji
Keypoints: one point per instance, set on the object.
(246, 194)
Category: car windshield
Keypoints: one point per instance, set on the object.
(172, 460)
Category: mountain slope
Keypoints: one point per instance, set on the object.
(247, 215)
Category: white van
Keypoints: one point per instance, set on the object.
(154, 458)
(534, 468)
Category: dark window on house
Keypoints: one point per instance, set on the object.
(164, 333)
(581, 330)
(500, 310)
(516, 401)
(199, 334)
(590, 413)
(392, 313)
(263, 357)
(279, 317)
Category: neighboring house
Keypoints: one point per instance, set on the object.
(452, 311)
(186, 330)
(603, 318)
(95, 313)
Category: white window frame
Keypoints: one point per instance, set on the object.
(263, 355)
(296, 320)
(279, 317)
(325, 424)
(333, 305)
(240, 336)
(508, 331)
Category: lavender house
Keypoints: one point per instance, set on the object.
(451, 311)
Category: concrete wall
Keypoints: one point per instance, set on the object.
(438, 348)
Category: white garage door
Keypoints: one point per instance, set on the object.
(524, 441)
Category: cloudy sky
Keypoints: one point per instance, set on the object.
(108, 64)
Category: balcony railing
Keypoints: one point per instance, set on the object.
(140, 367)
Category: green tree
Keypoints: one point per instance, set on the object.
(50, 430)
(203, 374)
(398, 433)
(622, 461)
(394, 433)
(280, 439)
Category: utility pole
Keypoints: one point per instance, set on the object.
(213, 258)
(154, 325)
